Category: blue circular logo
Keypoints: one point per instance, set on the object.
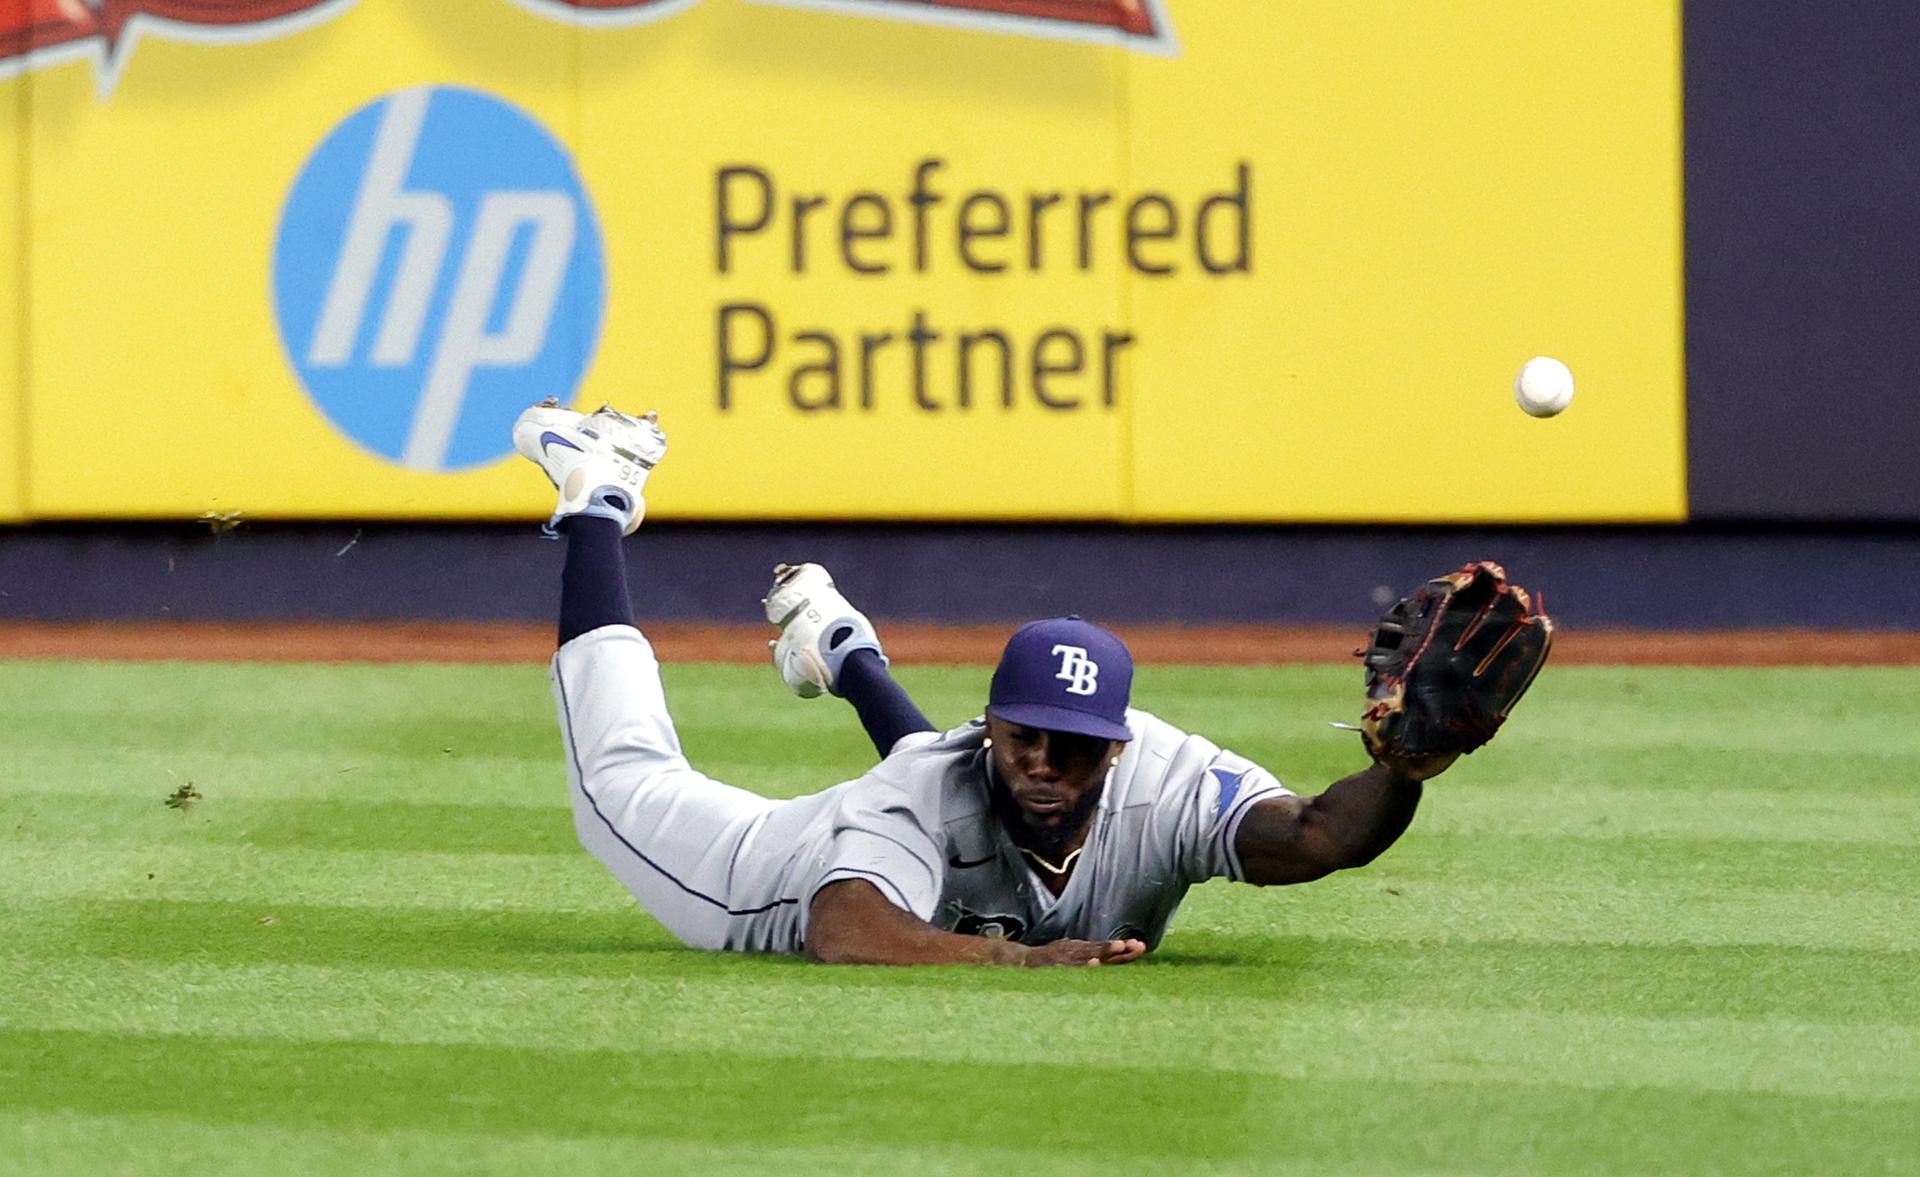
(438, 269)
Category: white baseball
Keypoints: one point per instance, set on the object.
(1544, 386)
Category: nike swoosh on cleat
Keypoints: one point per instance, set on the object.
(548, 438)
(955, 860)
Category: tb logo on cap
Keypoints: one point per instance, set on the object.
(1079, 672)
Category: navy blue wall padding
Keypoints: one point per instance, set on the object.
(1803, 259)
(1723, 576)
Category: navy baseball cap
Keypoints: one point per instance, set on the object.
(1064, 675)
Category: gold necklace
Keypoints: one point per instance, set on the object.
(1066, 864)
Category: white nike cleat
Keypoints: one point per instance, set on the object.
(818, 629)
(598, 461)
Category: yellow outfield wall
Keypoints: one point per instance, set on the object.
(13, 368)
(880, 259)
(1444, 191)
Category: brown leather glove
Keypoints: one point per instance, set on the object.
(1448, 663)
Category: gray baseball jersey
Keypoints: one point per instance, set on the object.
(725, 868)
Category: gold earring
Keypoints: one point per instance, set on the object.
(987, 743)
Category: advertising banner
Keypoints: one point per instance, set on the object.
(1100, 259)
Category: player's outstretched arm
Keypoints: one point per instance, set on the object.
(851, 922)
(1300, 839)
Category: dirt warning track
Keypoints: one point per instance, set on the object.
(907, 643)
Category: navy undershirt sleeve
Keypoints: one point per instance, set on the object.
(884, 707)
(593, 582)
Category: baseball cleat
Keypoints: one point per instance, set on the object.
(598, 461)
(818, 629)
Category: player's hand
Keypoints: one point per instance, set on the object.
(1412, 768)
(1084, 953)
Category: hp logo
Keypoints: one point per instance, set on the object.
(438, 269)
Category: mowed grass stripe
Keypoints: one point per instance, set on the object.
(531, 781)
(786, 763)
(142, 780)
(1151, 1114)
(1741, 981)
(1355, 906)
(1831, 816)
(407, 710)
(41, 1142)
(97, 820)
(1669, 773)
(1586, 980)
(532, 882)
(1708, 865)
(1747, 713)
(1785, 709)
(1461, 805)
(1625, 913)
(1668, 729)
(752, 1011)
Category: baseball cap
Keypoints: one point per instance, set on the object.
(1064, 675)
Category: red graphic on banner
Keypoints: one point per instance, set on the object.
(42, 24)
(70, 26)
(1128, 16)
(45, 24)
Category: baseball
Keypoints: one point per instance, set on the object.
(1544, 386)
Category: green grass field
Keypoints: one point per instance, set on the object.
(1669, 923)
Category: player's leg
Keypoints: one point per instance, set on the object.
(593, 580)
(826, 645)
(666, 831)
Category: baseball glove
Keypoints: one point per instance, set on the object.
(1448, 663)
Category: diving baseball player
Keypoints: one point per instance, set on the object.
(1063, 828)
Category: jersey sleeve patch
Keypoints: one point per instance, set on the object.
(1240, 787)
(1230, 783)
